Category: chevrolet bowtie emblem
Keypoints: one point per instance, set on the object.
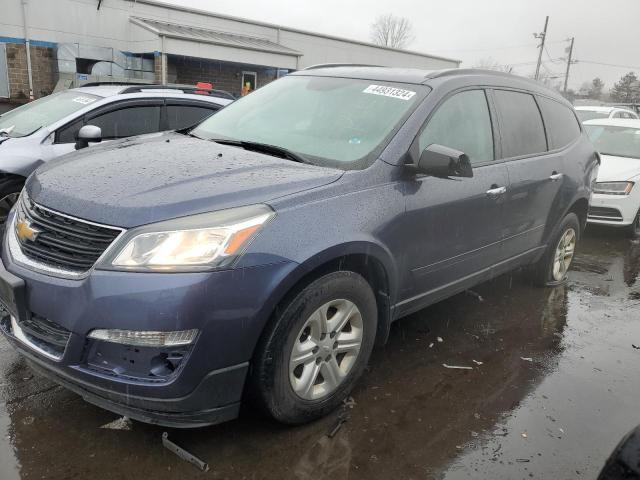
(25, 231)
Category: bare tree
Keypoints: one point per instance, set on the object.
(391, 31)
(489, 63)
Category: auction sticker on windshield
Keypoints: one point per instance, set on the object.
(392, 92)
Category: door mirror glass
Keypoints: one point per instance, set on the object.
(88, 134)
(441, 161)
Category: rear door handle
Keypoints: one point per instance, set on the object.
(556, 176)
(497, 191)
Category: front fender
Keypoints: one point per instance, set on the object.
(22, 166)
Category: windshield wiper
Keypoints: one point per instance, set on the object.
(273, 150)
(6, 131)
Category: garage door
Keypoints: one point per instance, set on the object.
(4, 76)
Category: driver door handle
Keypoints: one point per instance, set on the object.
(556, 176)
(497, 191)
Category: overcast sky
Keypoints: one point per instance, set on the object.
(471, 30)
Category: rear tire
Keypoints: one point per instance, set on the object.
(10, 188)
(327, 330)
(551, 270)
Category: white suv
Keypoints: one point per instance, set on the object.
(595, 112)
(616, 196)
(49, 127)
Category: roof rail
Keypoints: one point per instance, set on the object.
(111, 82)
(183, 88)
(135, 87)
(334, 65)
(468, 71)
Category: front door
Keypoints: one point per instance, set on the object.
(455, 223)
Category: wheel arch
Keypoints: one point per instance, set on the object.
(581, 208)
(370, 260)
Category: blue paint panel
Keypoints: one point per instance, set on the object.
(35, 43)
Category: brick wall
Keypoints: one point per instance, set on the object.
(43, 66)
(224, 75)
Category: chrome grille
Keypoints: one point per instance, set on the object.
(58, 240)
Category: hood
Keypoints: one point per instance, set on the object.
(614, 169)
(153, 178)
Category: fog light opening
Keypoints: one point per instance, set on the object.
(161, 366)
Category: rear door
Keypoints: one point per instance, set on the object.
(456, 223)
(535, 172)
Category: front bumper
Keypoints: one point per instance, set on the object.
(228, 308)
(614, 210)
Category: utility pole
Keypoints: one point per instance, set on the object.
(566, 76)
(542, 36)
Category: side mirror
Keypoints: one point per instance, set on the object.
(441, 161)
(88, 134)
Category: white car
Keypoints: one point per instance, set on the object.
(586, 113)
(50, 127)
(616, 197)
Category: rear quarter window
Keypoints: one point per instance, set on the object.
(562, 125)
(520, 123)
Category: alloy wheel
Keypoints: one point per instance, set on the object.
(326, 349)
(564, 254)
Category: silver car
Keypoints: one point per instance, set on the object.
(68, 120)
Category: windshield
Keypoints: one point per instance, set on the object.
(334, 122)
(28, 118)
(615, 141)
(585, 115)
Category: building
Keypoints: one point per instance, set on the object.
(47, 44)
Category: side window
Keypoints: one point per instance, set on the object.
(67, 134)
(521, 124)
(128, 121)
(617, 115)
(183, 116)
(562, 125)
(462, 122)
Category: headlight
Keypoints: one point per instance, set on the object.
(195, 243)
(613, 188)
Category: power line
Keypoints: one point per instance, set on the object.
(591, 62)
(510, 47)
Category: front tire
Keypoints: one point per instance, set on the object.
(316, 349)
(551, 270)
(10, 188)
(633, 231)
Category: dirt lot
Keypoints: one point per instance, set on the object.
(557, 388)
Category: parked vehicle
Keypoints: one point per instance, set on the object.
(47, 128)
(599, 112)
(616, 198)
(267, 250)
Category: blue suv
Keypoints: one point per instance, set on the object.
(263, 253)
